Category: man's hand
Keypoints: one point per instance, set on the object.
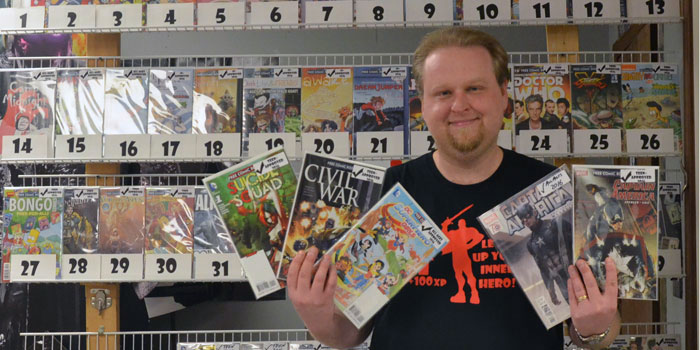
(312, 293)
(592, 312)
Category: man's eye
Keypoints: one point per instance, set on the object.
(444, 93)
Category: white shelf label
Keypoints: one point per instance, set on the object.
(217, 267)
(215, 146)
(127, 146)
(429, 11)
(331, 143)
(650, 141)
(82, 16)
(653, 8)
(422, 142)
(380, 143)
(32, 267)
(376, 11)
(542, 9)
(25, 147)
(121, 267)
(261, 143)
(221, 14)
(173, 146)
(596, 9)
(78, 146)
(274, 13)
(119, 16)
(168, 267)
(22, 18)
(542, 142)
(170, 15)
(80, 267)
(505, 139)
(487, 10)
(329, 12)
(598, 142)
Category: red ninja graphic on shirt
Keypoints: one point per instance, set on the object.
(462, 239)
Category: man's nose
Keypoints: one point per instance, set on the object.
(461, 102)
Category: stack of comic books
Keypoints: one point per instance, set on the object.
(80, 97)
(170, 101)
(208, 346)
(218, 103)
(169, 221)
(126, 101)
(210, 234)
(629, 342)
(122, 212)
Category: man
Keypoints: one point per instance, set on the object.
(533, 105)
(461, 76)
(563, 111)
(549, 112)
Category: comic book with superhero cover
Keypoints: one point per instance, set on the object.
(272, 99)
(210, 234)
(537, 88)
(80, 230)
(616, 216)
(381, 253)
(80, 97)
(254, 198)
(596, 101)
(532, 231)
(126, 101)
(170, 101)
(326, 99)
(671, 213)
(169, 220)
(122, 213)
(331, 196)
(6, 248)
(218, 101)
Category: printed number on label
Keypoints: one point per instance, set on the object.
(594, 9)
(656, 7)
(650, 142)
(220, 268)
(542, 10)
(170, 17)
(117, 263)
(378, 12)
(129, 149)
(23, 19)
(272, 143)
(275, 16)
(489, 11)
(214, 147)
(220, 16)
(170, 148)
(599, 142)
(29, 267)
(327, 146)
(71, 19)
(326, 12)
(429, 10)
(169, 265)
(79, 265)
(376, 143)
(117, 18)
(76, 144)
(431, 140)
(540, 144)
(25, 146)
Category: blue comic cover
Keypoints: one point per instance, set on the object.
(381, 253)
(210, 233)
(170, 101)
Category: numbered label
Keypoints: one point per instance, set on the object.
(380, 143)
(35, 267)
(119, 16)
(385, 11)
(221, 14)
(168, 267)
(121, 267)
(170, 15)
(25, 147)
(274, 13)
(173, 146)
(653, 8)
(330, 143)
(650, 141)
(422, 142)
(78, 146)
(127, 146)
(217, 267)
(329, 12)
(487, 10)
(542, 142)
(215, 146)
(597, 142)
(69, 17)
(505, 139)
(429, 11)
(596, 9)
(542, 9)
(261, 143)
(25, 18)
(80, 267)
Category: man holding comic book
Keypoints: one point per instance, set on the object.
(472, 301)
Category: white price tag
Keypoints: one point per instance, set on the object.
(487, 10)
(127, 146)
(22, 18)
(173, 146)
(168, 267)
(376, 11)
(274, 13)
(653, 8)
(422, 142)
(218, 146)
(596, 9)
(542, 9)
(505, 139)
(331, 143)
(329, 12)
(380, 143)
(429, 11)
(170, 15)
(78, 146)
(121, 267)
(650, 141)
(261, 143)
(217, 267)
(119, 16)
(221, 14)
(82, 16)
(603, 141)
(542, 142)
(32, 267)
(80, 267)
(25, 147)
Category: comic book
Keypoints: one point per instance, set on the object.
(170, 101)
(6, 247)
(218, 101)
(208, 346)
(315, 345)
(415, 109)
(210, 234)
(254, 198)
(536, 90)
(629, 342)
(616, 216)
(381, 253)
(331, 196)
(671, 213)
(126, 101)
(272, 99)
(80, 230)
(169, 220)
(532, 231)
(595, 98)
(326, 99)
(122, 212)
(80, 97)
(458, 10)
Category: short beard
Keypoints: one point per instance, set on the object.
(469, 145)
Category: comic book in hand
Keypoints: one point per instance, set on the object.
(80, 209)
(381, 253)
(254, 198)
(332, 195)
(616, 216)
(80, 97)
(169, 220)
(532, 231)
(217, 101)
(170, 101)
(122, 212)
(210, 234)
(126, 102)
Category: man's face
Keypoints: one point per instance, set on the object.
(518, 109)
(463, 103)
(534, 110)
(561, 109)
(549, 106)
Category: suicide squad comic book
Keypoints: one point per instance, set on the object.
(218, 96)
(122, 212)
(126, 101)
(80, 210)
(80, 97)
(169, 220)
(170, 101)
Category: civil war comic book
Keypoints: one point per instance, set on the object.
(331, 196)
(80, 211)
(254, 198)
(381, 253)
(170, 101)
(210, 234)
(80, 97)
(218, 101)
(121, 220)
(126, 101)
(532, 231)
(595, 97)
(169, 220)
(326, 99)
(616, 216)
(272, 100)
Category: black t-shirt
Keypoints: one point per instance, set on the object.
(429, 313)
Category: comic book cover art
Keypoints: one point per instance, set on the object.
(596, 101)
(210, 234)
(209, 346)
(80, 208)
(272, 100)
(515, 9)
(415, 109)
(126, 101)
(331, 196)
(671, 213)
(80, 97)
(122, 212)
(69, 2)
(169, 220)
(558, 102)
(326, 99)
(616, 216)
(218, 96)
(381, 253)
(379, 98)
(532, 231)
(170, 101)
(537, 91)
(254, 198)
(458, 10)
(629, 342)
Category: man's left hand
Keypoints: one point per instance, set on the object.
(592, 311)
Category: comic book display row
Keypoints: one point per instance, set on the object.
(378, 243)
(269, 345)
(132, 114)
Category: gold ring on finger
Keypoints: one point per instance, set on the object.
(582, 298)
